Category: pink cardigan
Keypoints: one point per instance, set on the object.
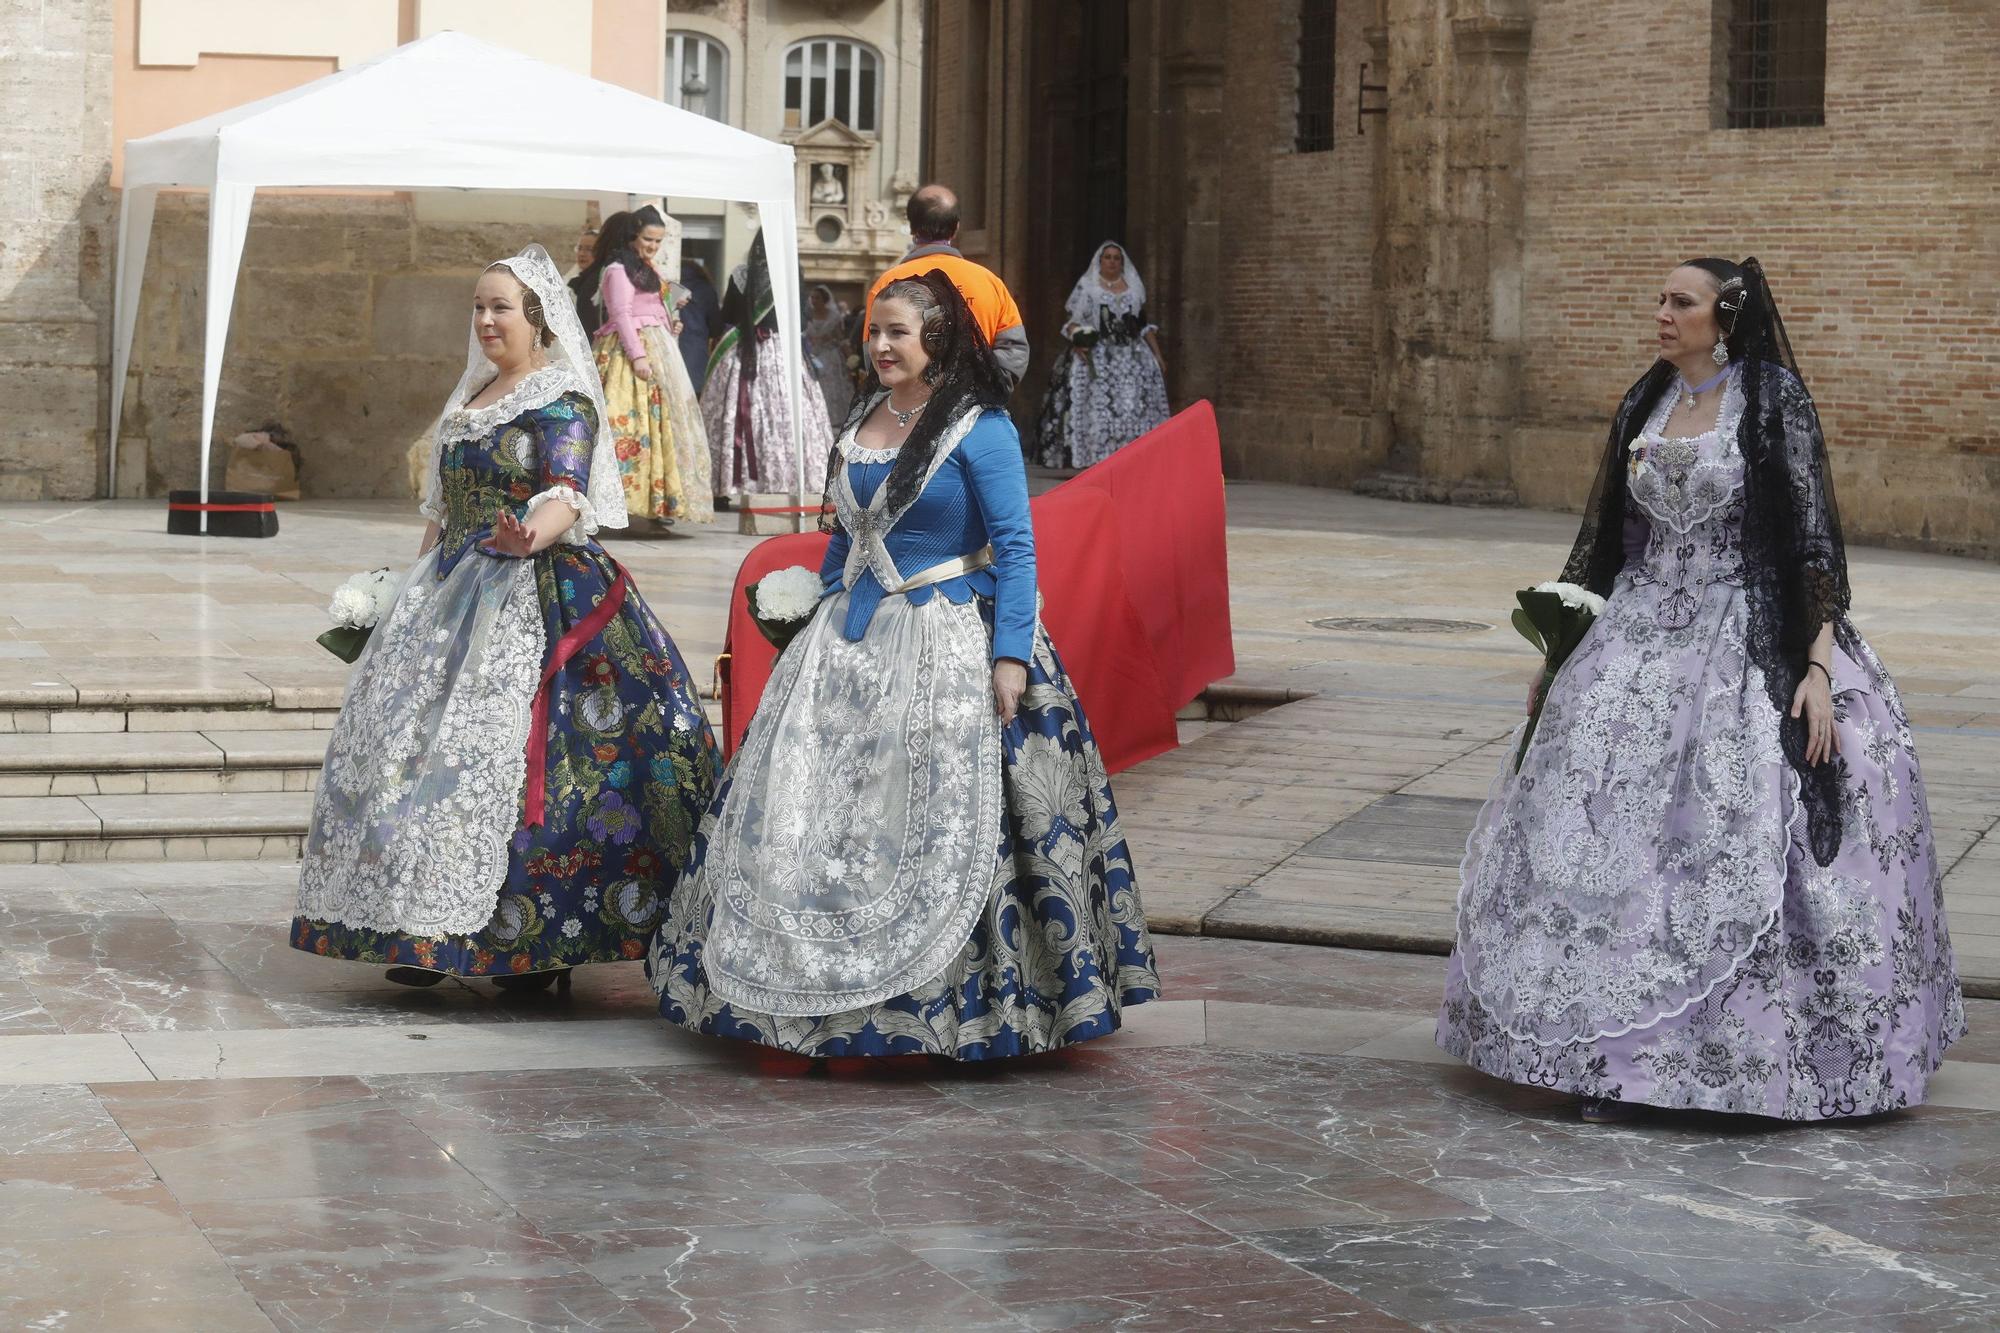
(627, 309)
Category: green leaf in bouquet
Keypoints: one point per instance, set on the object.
(1545, 609)
(344, 641)
(1529, 632)
(1577, 625)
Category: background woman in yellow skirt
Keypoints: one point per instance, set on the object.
(638, 362)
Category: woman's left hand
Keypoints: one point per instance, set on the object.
(675, 328)
(1814, 700)
(511, 539)
(1009, 679)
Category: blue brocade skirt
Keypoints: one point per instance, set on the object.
(1056, 954)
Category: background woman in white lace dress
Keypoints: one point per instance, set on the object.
(1712, 882)
(1109, 386)
(520, 761)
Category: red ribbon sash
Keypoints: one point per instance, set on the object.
(538, 725)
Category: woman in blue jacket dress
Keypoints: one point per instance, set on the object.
(916, 849)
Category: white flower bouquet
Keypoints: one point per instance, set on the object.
(783, 601)
(358, 606)
(1554, 618)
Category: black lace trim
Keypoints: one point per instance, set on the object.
(1794, 562)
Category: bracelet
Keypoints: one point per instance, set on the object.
(1823, 671)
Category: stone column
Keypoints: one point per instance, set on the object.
(56, 221)
(1185, 266)
(1450, 248)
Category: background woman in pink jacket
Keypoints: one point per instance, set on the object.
(654, 416)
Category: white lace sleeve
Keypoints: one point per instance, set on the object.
(586, 515)
(432, 507)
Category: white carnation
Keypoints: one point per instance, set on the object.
(362, 601)
(1574, 596)
(788, 594)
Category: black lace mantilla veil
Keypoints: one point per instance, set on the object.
(1794, 563)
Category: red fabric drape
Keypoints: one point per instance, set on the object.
(1166, 499)
(1135, 589)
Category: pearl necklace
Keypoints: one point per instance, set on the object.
(902, 417)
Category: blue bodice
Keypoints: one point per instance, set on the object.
(977, 497)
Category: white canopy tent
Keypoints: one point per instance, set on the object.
(448, 112)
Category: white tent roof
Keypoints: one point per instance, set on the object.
(446, 112)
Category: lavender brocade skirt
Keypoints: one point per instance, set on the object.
(1845, 1003)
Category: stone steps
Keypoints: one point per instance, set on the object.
(160, 763)
(160, 771)
(257, 825)
(172, 775)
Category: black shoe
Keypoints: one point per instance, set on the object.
(419, 977)
(534, 981)
(1606, 1111)
(723, 504)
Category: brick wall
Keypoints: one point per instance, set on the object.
(1295, 311)
(1881, 233)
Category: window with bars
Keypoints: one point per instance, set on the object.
(831, 77)
(1314, 128)
(1776, 68)
(698, 75)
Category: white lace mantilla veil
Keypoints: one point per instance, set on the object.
(571, 351)
(1090, 292)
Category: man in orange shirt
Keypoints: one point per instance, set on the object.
(933, 217)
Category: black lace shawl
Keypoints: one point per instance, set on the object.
(1794, 562)
(751, 305)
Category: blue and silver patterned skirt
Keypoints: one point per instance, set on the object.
(1058, 951)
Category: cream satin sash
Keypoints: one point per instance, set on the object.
(949, 569)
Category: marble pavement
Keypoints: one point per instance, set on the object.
(201, 1129)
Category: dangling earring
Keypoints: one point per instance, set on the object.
(1721, 353)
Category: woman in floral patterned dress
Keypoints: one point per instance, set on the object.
(916, 850)
(520, 761)
(1712, 883)
(654, 416)
(745, 408)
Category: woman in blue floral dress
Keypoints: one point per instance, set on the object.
(520, 762)
(916, 850)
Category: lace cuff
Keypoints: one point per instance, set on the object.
(586, 515)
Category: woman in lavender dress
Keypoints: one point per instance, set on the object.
(1712, 882)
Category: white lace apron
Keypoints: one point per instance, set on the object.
(424, 772)
(861, 834)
